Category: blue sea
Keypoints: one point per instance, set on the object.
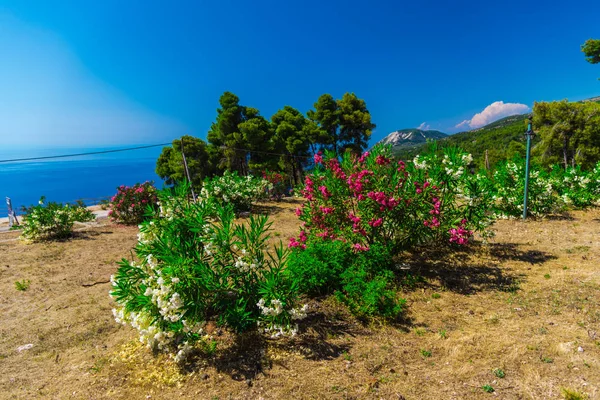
(89, 178)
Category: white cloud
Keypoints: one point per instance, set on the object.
(49, 98)
(424, 126)
(493, 112)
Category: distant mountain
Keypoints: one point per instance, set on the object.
(411, 138)
(501, 139)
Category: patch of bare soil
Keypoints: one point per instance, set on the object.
(520, 315)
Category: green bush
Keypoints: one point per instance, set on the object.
(317, 269)
(233, 189)
(363, 281)
(509, 181)
(131, 203)
(53, 220)
(194, 265)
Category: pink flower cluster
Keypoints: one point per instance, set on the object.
(129, 204)
(381, 160)
(376, 222)
(309, 189)
(364, 156)
(435, 211)
(336, 168)
(319, 158)
(326, 210)
(325, 192)
(357, 180)
(359, 247)
(460, 235)
(386, 202)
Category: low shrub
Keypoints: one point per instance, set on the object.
(509, 182)
(363, 281)
(49, 221)
(233, 189)
(278, 188)
(318, 268)
(576, 188)
(131, 204)
(194, 265)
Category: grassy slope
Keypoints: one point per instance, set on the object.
(524, 304)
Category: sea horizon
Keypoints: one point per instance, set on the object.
(89, 178)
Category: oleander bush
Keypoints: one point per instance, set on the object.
(509, 185)
(373, 199)
(278, 187)
(240, 191)
(132, 204)
(53, 221)
(195, 265)
(362, 211)
(363, 281)
(575, 187)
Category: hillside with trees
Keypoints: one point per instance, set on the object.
(567, 133)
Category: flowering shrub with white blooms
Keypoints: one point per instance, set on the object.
(194, 265)
(48, 221)
(509, 183)
(241, 191)
(575, 187)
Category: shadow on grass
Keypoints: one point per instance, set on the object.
(468, 271)
(274, 208)
(88, 234)
(565, 216)
(322, 337)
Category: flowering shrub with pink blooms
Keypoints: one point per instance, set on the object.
(130, 204)
(362, 211)
(278, 184)
(374, 199)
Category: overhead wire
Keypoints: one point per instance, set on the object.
(82, 154)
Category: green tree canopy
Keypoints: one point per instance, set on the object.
(343, 124)
(292, 138)
(326, 117)
(169, 165)
(569, 132)
(355, 121)
(591, 49)
(237, 131)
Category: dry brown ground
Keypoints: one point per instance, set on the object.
(524, 304)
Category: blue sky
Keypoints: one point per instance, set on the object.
(115, 73)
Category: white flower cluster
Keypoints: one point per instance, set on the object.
(245, 266)
(455, 170)
(420, 164)
(147, 234)
(299, 313)
(231, 188)
(277, 331)
(275, 309)
(150, 333)
(165, 211)
(184, 349)
(169, 303)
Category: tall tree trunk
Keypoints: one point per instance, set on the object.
(294, 172)
(299, 170)
(566, 151)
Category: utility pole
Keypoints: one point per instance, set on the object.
(187, 172)
(529, 134)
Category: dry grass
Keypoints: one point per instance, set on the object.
(523, 305)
